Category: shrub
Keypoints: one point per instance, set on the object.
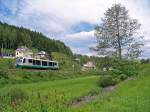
(94, 91)
(126, 67)
(123, 77)
(107, 81)
(105, 73)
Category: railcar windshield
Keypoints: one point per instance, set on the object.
(19, 60)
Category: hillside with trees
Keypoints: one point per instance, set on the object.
(11, 37)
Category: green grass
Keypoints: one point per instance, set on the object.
(7, 63)
(129, 96)
(15, 76)
(54, 95)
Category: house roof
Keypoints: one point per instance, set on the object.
(23, 49)
(42, 53)
(89, 64)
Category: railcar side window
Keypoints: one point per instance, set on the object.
(30, 60)
(55, 64)
(24, 60)
(44, 63)
(50, 64)
(38, 62)
(34, 63)
(19, 60)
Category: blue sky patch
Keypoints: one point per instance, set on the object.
(82, 26)
(10, 8)
(4, 10)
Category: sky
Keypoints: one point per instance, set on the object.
(72, 21)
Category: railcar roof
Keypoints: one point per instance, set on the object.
(39, 59)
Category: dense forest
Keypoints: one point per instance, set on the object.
(11, 37)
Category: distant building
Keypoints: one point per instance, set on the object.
(23, 51)
(5, 53)
(88, 66)
(42, 55)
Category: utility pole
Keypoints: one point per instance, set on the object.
(2, 50)
(73, 67)
(78, 60)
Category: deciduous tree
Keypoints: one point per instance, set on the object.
(118, 34)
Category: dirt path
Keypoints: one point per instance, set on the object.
(85, 99)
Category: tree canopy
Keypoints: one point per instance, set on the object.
(118, 35)
(11, 37)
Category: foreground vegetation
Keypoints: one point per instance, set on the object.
(58, 91)
(129, 96)
(51, 96)
(58, 95)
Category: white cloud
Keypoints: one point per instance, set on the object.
(60, 15)
(56, 17)
(80, 36)
(84, 51)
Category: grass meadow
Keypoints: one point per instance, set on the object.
(54, 91)
(50, 96)
(128, 96)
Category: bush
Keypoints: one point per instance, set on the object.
(94, 91)
(106, 81)
(126, 67)
(123, 77)
(106, 73)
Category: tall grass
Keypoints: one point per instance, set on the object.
(49, 96)
(129, 96)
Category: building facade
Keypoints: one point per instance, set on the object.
(88, 66)
(23, 51)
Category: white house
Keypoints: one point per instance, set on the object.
(42, 55)
(23, 51)
(88, 66)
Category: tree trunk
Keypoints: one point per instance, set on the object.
(118, 36)
(120, 51)
(119, 43)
